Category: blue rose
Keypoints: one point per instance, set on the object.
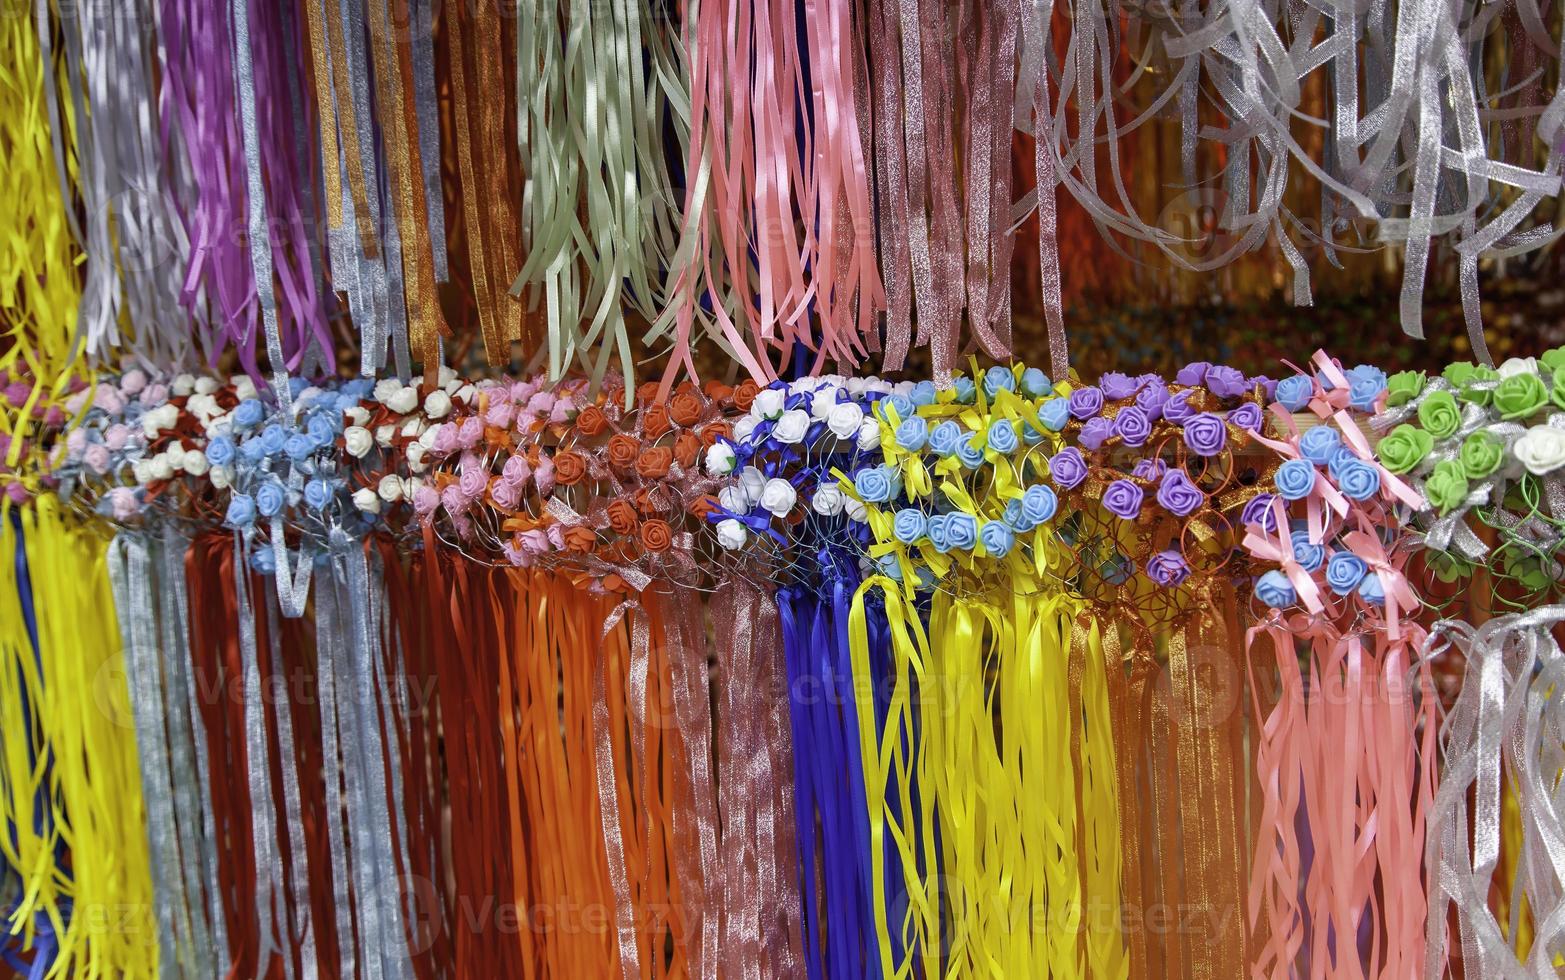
(220, 451)
(909, 525)
(263, 561)
(1002, 436)
(321, 430)
(1275, 590)
(1358, 480)
(1371, 591)
(249, 413)
(317, 494)
(922, 394)
(1342, 457)
(269, 500)
(1295, 479)
(998, 379)
(943, 441)
(912, 433)
(253, 450)
(1015, 518)
(1030, 435)
(936, 531)
(1035, 383)
(1319, 443)
(299, 447)
(873, 484)
(272, 439)
(968, 452)
(901, 404)
(997, 538)
(1039, 504)
(1054, 413)
(966, 391)
(961, 531)
(1294, 393)
(889, 566)
(1309, 555)
(1365, 383)
(1344, 570)
(241, 511)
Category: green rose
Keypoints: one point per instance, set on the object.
(1557, 394)
(1404, 448)
(1519, 396)
(1554, 359)
(1449, 568)
(1481, 455)
(1438, 413)
(1403, 387)
(1478, 396)
(1447, 486)
(1458, 373)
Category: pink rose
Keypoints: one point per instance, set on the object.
(445, 440)
(454, 500)
(122, 501)
(499, 415)
(541, 403)
(473, 482)
(544, 475)
(109, 400)
(517, 470)
(426, 500)
(116, 436)
(471, 432)
(76, 442)
(154, 395)
(535, 542)
(97, 458)
(556, 537)
(506, 494)
(132, 382)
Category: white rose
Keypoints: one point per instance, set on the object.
(384, 435)
(719, 459)
(182, 385)
(176, 459)
(445, 376)
(141, 470)
(731, 534)
(465, 393)
(869, 435)
(427, 437)
(161, 468)
(415, 457)
(390, 488)
(207, 385)
(903, 388)
(414, 427)
(308, 396)
(411, 486)
(829, 500)
(844, 420)
(778, 497)
(744, 428)
(221, 477)
(195, 462)
(856, 386)
(752, 481)
(437, 405)
(791, 427)
(385, 388)
(1518, 365)
(404, 401)
(823, 402)
(854, 508)
(803, 384)
(244, 388)
(358, 415)
(1541, 450)
(357, 440)
(734, 500)
(768, 404)
(367, 500)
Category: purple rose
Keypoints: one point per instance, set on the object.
(1168, 568)
(1132, 425)
(1068, 468)
(1116, 386)
(1178, 495)
(1266, 383)
(1176, 408)
(1247, 416)
(1259, 511)
(1086, 402)
(1193, 373)
(1226, 382)
(1150, 470)
(1095, 432)
(1151, 397)
(1205, 434)
(1122, 499)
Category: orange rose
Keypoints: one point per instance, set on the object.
(686, 407)
(580, 537)
(653, 463)
(652, 499)
(656, 536)
(622, 517)
(647, 393)
(687, 448)
(745, 394)
(590, 421)
(569, 467)
(622, 451)
(654, 421)
(703, 505)
(717, 391)
(711, 431)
